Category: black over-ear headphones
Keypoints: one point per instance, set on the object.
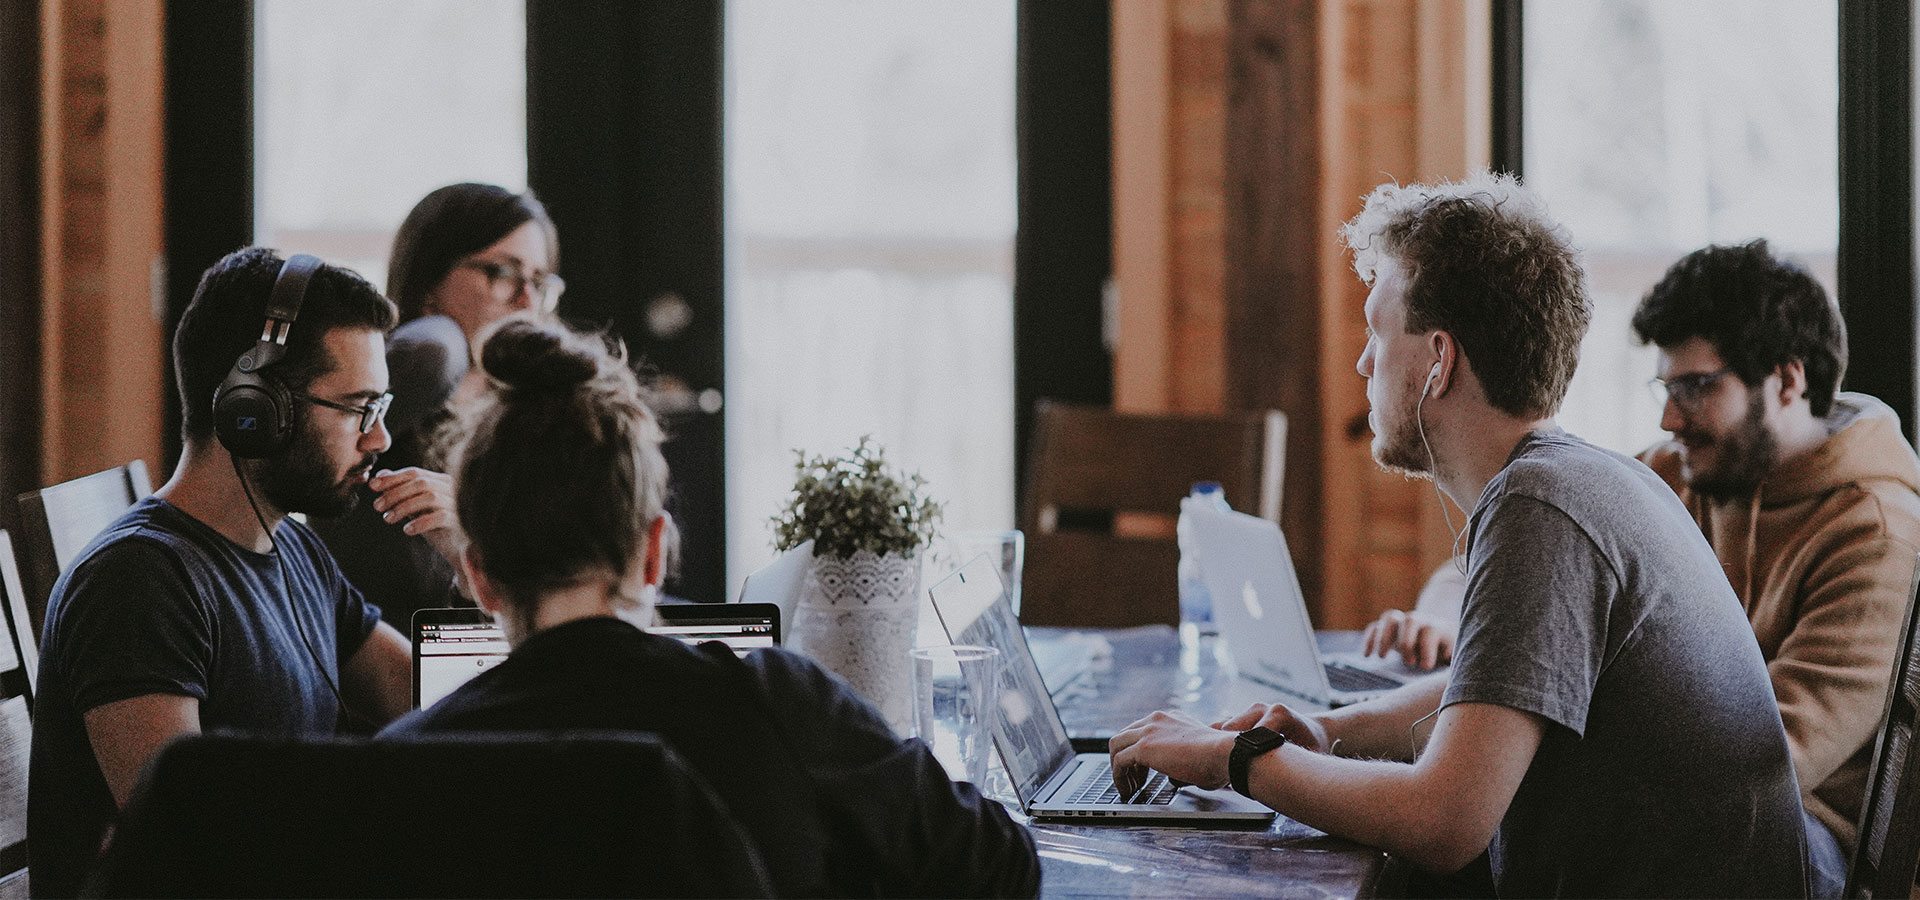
(253, 412)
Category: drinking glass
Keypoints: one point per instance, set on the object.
(956, 693)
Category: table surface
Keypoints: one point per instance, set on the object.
(1123, 675)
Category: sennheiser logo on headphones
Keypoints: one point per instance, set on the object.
(247, 423)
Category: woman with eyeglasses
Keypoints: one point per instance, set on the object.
(560, 485)
(466, 257)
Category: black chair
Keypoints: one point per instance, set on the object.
(58, 522)
(1888, 854)
(535, 815)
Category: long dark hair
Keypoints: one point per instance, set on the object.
(449, 225)
(558, 474)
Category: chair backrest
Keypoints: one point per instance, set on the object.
(60, 521)
(531, 815)
(25, 640)
(1093, 466)
(1887, 856)
(16, 736)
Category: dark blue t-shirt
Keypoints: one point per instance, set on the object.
(161, 603)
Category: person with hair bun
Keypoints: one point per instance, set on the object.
(560, 487)
(467, 256)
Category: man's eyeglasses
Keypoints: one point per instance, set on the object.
(370, 414)
(507, 280)
(1685, 390)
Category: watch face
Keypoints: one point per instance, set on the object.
(1260, 738)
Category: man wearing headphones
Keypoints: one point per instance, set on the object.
(204, 606)
(1607, 728)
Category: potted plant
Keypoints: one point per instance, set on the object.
(859, 604)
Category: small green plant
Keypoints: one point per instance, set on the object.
(855, 502)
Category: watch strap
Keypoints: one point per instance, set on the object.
(1254, 742)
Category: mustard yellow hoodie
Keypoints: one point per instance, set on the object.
(1822, 555)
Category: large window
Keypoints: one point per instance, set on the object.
(363, 106)
(870, 216)
(1653, 128)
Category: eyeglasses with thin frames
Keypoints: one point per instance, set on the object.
(507, 280)
(370, 414)
(1685, 391)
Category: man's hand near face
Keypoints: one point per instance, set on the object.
(420, 501)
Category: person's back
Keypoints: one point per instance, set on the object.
(561, 488)
(836, 804)
(1594, 602)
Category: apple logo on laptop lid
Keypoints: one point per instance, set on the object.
(1251, 598)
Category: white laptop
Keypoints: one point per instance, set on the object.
(1261, 614)
(1050, 779)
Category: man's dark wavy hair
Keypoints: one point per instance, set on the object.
(1759, 311)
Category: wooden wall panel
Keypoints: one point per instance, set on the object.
(1234, 289)
(1275, 254)
(100, 341)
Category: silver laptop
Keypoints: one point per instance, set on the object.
(1261, 614)
(1050, 779)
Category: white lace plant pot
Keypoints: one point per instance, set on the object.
(856, 617)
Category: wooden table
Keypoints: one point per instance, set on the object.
(1135, 671)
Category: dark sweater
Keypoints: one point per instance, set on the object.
(837, 805)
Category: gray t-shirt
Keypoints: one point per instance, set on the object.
(1594, 602)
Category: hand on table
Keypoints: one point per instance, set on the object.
(1424, 640)
(1172, 743)
(421, 502)
(1301, 730)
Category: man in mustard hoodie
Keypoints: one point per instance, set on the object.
(1809, 497)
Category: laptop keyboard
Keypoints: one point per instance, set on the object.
(1099, 789)
(1345, 677)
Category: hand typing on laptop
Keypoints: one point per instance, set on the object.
(1425, 635)
(1172, 743)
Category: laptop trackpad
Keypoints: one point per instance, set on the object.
(1193, 799)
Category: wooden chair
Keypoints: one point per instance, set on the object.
(1887, 856)
(1089, 465)
(26, 641)
(59, 521)
(16, 741)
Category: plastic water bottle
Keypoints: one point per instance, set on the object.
(1196, 604)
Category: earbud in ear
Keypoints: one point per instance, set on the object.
(1431, 375)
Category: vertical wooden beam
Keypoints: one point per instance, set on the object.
(1877, 256)
(1142, 257)
(1063, 258)
(1274, 253)
(100, 342)
(54, 212)
(127, 349)
(20, 94)
(208, 191)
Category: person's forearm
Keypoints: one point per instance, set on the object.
(1381, 804)
(1382, 728)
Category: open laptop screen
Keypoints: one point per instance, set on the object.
(449, 649)
(453, 645)
(972, 605)
(745, 627)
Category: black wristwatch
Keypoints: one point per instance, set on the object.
(1251, 743)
